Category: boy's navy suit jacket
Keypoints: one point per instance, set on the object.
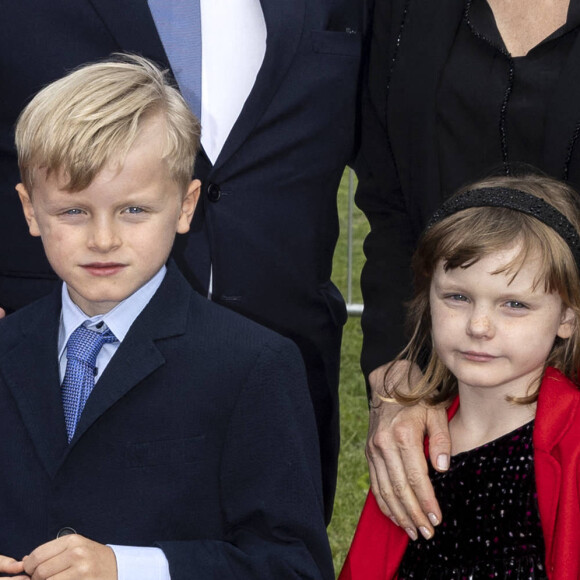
(267, 217)
(199, 438)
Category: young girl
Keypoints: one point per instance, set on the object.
(496, 312)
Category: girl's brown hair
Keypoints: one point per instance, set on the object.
(463, 238)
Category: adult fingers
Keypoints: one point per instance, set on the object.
(420, 502)
(385, 496)
(381, 485)
(398, 467)
(395, 449)
(439, 440)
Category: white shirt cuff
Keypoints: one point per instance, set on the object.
(138, 563)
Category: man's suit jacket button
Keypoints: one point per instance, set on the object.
(213, 192)
(66, 531)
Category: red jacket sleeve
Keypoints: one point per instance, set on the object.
(377, 548)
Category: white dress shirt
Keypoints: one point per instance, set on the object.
(233, 44)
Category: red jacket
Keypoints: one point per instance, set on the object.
(379, 545)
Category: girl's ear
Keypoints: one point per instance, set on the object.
(567, 323)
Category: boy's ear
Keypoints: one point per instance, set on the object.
(567, 323)
(188, 205)
(28, 209)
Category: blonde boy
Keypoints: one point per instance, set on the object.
(183, 449)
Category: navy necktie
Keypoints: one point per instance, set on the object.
(82, 350)
(178, 24)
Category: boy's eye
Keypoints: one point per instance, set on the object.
(134, 210)
(74, 211)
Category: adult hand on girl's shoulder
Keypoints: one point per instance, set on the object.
(396, 456)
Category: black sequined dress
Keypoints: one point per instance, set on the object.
(491, 523)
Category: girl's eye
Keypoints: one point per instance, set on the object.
(134, 210)
(458, 297)
(74, 211)
(515, 304)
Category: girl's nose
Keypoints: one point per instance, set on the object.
(480, 325)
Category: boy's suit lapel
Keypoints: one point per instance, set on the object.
(35, 384)
(138, 356)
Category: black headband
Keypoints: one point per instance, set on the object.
(518, 201)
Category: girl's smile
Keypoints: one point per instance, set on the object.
(478, 356)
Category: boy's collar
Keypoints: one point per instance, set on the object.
(118, 320)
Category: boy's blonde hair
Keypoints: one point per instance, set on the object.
(463, 238)
(77, 124)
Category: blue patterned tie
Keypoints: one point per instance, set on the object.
(82, 350)
(178, 24)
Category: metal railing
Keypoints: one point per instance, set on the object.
(353, 308)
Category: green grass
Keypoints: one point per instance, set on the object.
(353, 480)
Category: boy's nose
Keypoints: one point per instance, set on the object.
(104, 237)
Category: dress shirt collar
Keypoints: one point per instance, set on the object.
(118, 320)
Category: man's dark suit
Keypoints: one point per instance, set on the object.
(199, 437)
(268, 218)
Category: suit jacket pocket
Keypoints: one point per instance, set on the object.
(335, 42)
(165, 452)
